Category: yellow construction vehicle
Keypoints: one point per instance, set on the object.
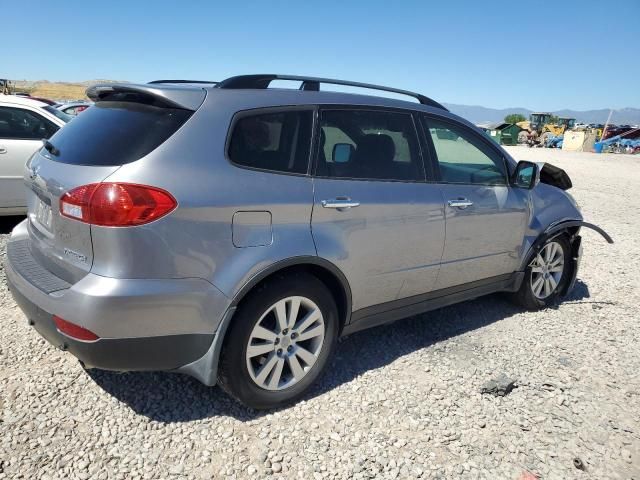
(5, 86)
(539, 128)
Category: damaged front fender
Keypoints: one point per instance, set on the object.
(576, 223)
(576, 246)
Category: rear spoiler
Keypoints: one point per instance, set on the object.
(161, 95)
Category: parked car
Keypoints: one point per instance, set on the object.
(24, 122)
(234, 232)
(48, 101)
(74, 108)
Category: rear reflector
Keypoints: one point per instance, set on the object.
(116, 204)
(74, 331)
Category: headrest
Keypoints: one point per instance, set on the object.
(378, 146)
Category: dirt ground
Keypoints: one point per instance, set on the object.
(399, 401)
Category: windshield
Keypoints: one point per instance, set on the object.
(57, 113)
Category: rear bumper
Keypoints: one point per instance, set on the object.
(167, 352)
(142, 324)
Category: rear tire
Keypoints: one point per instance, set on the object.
(279, 342)
(546, 275)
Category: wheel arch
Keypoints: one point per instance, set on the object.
(570, 228)
(330, 275)
(205, 368)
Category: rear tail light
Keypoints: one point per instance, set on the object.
(116, 204)
(74, 331)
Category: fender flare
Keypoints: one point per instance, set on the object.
(577, 223)
(576, 246)
(556, 229)
(293, 262)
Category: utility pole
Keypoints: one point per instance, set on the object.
(606, 124)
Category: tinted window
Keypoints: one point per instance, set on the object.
(368, 145)
(463, 157)
(58, 113)
(17, 123)
(278, 141)
(115, 133)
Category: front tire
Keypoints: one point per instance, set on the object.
(546, 275)
(279, 342)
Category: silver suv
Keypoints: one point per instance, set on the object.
(234, 231)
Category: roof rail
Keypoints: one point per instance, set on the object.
(262, 81)
(183, 81)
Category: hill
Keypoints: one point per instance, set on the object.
(477, 114)
(56, 90)
(473, 113)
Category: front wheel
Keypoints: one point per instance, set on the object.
(279, 342)
(545, 275)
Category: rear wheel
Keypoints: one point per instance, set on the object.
(545, 275)
(280, 341)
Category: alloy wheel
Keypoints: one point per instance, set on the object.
(546, 270)
(285, 343)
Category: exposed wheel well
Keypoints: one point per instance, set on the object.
(334, 284)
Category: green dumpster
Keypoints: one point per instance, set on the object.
(506, 133)
(494, 134)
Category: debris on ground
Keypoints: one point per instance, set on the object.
(499, 386)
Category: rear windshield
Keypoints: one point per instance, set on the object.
(116, 133)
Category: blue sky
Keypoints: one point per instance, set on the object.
(569, 54)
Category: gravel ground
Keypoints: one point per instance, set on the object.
(401, 401)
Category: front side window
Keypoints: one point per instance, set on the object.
(277, 141)
(368, 144)
(463, 158)
(21, 124)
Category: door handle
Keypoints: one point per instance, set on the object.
(340, 203)
(460, 203)
(3, 150)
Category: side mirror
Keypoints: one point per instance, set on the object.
(527, 175)
(342, 152)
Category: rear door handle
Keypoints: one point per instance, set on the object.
(340, 203)
(3, 150)
(460, 203)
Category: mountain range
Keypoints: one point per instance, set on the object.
(473, 113)
(484, 115)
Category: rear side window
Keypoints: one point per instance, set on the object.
(116, 133)
(21, 124)
(277, 141)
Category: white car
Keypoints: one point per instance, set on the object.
(24, 124)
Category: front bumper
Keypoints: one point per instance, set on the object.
(142, 324)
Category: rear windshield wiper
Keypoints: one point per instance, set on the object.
(51, 148)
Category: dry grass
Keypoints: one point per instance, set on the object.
(52, 90)
(60, 91)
